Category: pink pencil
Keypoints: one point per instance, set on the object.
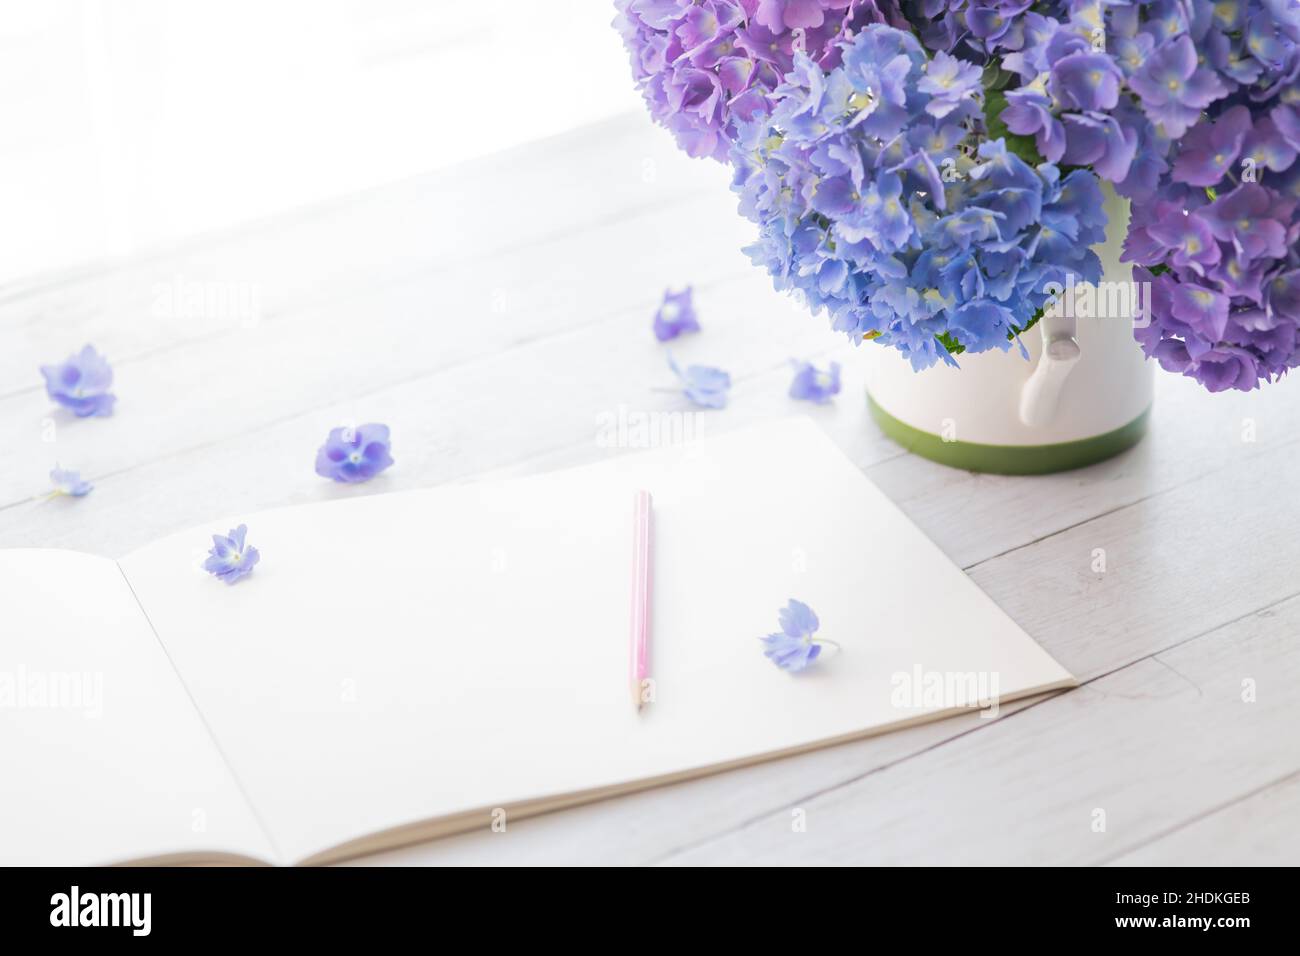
(642, 566)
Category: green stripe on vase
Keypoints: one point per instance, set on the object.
(1011, 459)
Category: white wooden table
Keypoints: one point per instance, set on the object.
(491, 313)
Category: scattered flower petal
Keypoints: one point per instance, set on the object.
(795, 648)
(676, 314)
(703, 385)
(230, 558)
(813, 385)
(81, 383)
(69, 483)
(354, 454)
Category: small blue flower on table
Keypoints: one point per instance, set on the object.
(81, 384)
(795, 648)
(230, 558)
(703, 385)
(676, 315)
(354, 454)
(811, 384)
(69, 483)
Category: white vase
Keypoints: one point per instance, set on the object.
(1088, 399)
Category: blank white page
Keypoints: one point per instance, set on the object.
(396, 658)
(105, 758)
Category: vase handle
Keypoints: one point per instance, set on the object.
(1042, 392)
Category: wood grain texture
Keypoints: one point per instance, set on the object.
(491, 313)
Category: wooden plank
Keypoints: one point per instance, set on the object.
(565, 187)
(1258, 829)
(172, 463)
(397, 333)
(1177, 564)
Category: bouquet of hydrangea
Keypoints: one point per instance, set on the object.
(925, 170)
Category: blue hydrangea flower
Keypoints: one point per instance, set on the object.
(874, 200)
(703, 385)
(949, 80)
(354, 454)
(81, 383)
(676, 315)
(69, 483)
(811, 384)
(230, 558)
(795, 648)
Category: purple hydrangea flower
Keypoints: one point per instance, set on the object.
(1174, 88)
(794, 648)
(787, 14)
(704, 65)
(811, 384)
(1028, 113)
(1185, 239)
(230, 558)
(1219, 369)
(1234, 180)
(1243, 218)
(1286, 120)
(354, 454)
(1203, 310)
(993, 20)
(1211, 148)
(1267, 147)
(1086, 81)
(81, 383)
(1098, 140)
(69, 483)
(703, 385)
(675, 315)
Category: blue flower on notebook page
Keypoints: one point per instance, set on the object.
(68, 483)
(795, 648)
(705, 386)
(230, 558)
(812, 384)
(354, 454)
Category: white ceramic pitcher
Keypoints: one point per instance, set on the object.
(1083, 395)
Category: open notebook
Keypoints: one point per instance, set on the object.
(400, 666)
